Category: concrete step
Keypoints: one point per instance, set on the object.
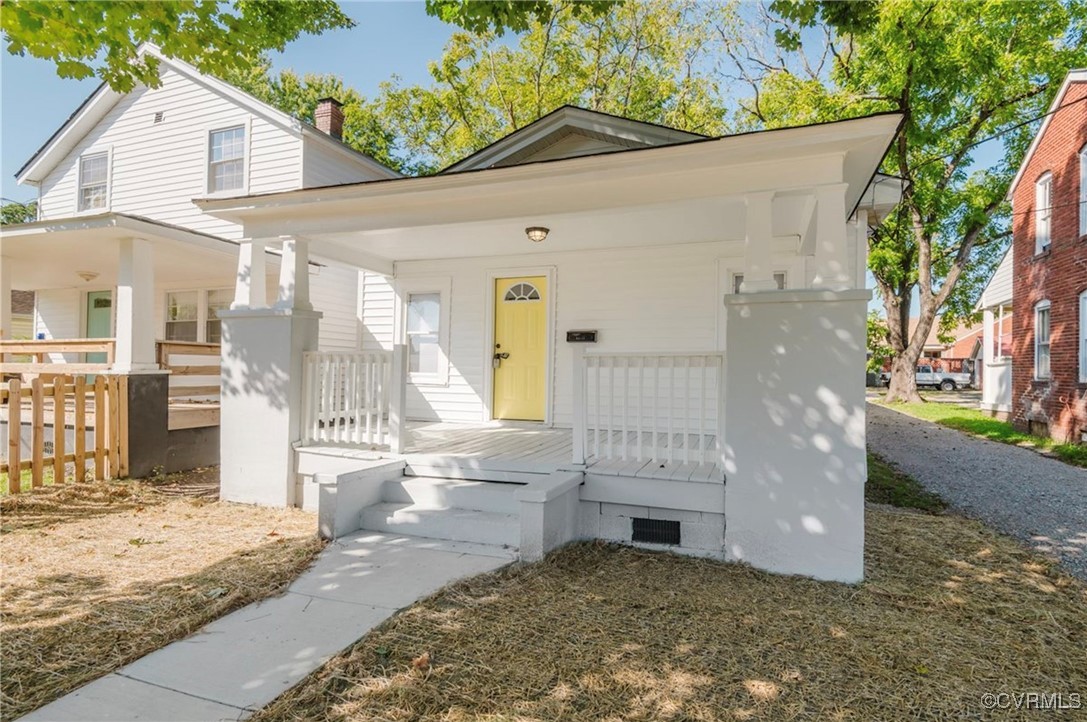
(455, 524)
(453, 493)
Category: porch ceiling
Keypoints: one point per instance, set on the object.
(50, 254)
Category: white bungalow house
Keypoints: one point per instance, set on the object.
(996, 344)
(594, 328)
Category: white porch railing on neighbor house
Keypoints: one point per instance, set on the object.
(648, 407)
(345, 397)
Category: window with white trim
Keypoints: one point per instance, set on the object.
(190, 315)
(1041, 341)
(94, 181)
(424, 319)
(1043, 213)
(226, 159)
(1083, 191)
(1002, 334)
(1083, 338)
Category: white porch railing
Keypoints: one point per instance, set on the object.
(648, 407)
(345, 398)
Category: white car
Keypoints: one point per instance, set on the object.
(927, 376)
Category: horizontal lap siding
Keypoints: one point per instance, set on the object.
(57, 316)
(646, 300)
(376, 301)
(325, 167)
(333, 292)
(159, 168)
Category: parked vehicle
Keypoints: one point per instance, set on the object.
(936, 378)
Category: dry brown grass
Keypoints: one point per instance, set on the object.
(949, 611)
(97, 575)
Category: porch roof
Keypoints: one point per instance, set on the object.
(625, 198)
(52, 253)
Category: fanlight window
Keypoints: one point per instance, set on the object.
(522, 292)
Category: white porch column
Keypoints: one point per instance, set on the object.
(758, 242)
(398, 387)
(250, 289)
(261, 407)
(831, 246)
(135, 351)
(5, 301)
(294, 275)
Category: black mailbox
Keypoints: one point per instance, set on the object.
(581, 337)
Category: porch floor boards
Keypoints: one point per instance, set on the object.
(527, 448)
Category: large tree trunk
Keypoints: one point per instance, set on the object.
(903, 384)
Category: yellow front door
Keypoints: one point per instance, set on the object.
(520, 348)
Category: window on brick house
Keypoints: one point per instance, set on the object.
(1083, 191)
(1083, 338)
(1041, 341)
(1043, 213)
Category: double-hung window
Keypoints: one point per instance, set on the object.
(1041, 341)
(93, 181)
(1083, 191)
(1083, 338)
(191, 315)
(425, 327)
(1043, 213)
(226, 159)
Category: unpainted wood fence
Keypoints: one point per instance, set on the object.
(65, 402)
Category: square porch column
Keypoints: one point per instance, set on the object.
(262, 351)
(134, 356)
(758, 242)
(795, 431)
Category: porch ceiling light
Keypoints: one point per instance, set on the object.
(537, 233)
(87, 276)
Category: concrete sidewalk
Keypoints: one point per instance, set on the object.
(237, 664)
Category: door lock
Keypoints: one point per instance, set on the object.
(498, 358)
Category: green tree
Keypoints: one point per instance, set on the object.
(646, 60)
(102, 37)
(484, 16)
(879, 347)
(959, 73)
(12, 212)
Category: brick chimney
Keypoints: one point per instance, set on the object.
(329, 117)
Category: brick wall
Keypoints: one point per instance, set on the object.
(1057, 406)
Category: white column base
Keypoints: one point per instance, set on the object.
(261, 402)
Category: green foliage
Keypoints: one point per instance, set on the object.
(879, 345)
(959, 73)
(641, 61)
(12, 212)
(888, 485)
(102, 37)
(498, 16)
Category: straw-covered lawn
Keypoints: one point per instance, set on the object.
(950, 611)
(97, 575)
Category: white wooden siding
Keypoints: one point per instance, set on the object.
(999, 289)
(572, 146)
(157, 169)
(376, 302)
(57, 315)
(334, 292)
(323, 166)
(645, 299)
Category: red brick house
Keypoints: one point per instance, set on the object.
(1049, 203)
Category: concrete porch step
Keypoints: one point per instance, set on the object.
(452, 523)
(453, 493)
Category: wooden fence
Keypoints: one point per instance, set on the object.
(102, 402)
(38, 350)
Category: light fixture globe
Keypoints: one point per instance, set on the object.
(87, 276)
(537, 233)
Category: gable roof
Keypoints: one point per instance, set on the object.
(92, 110)
(1074, 76)
(567, 121)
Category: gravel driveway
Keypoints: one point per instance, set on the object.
(1019, 492)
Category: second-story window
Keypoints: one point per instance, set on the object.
(1043, 213)
(226, 160)
(1083, 191)
(93, 181)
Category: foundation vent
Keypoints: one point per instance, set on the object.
(655, 531)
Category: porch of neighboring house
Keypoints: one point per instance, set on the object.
(111, 302)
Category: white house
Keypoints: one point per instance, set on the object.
(593, 328)
(996, 346)
(598, 328)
